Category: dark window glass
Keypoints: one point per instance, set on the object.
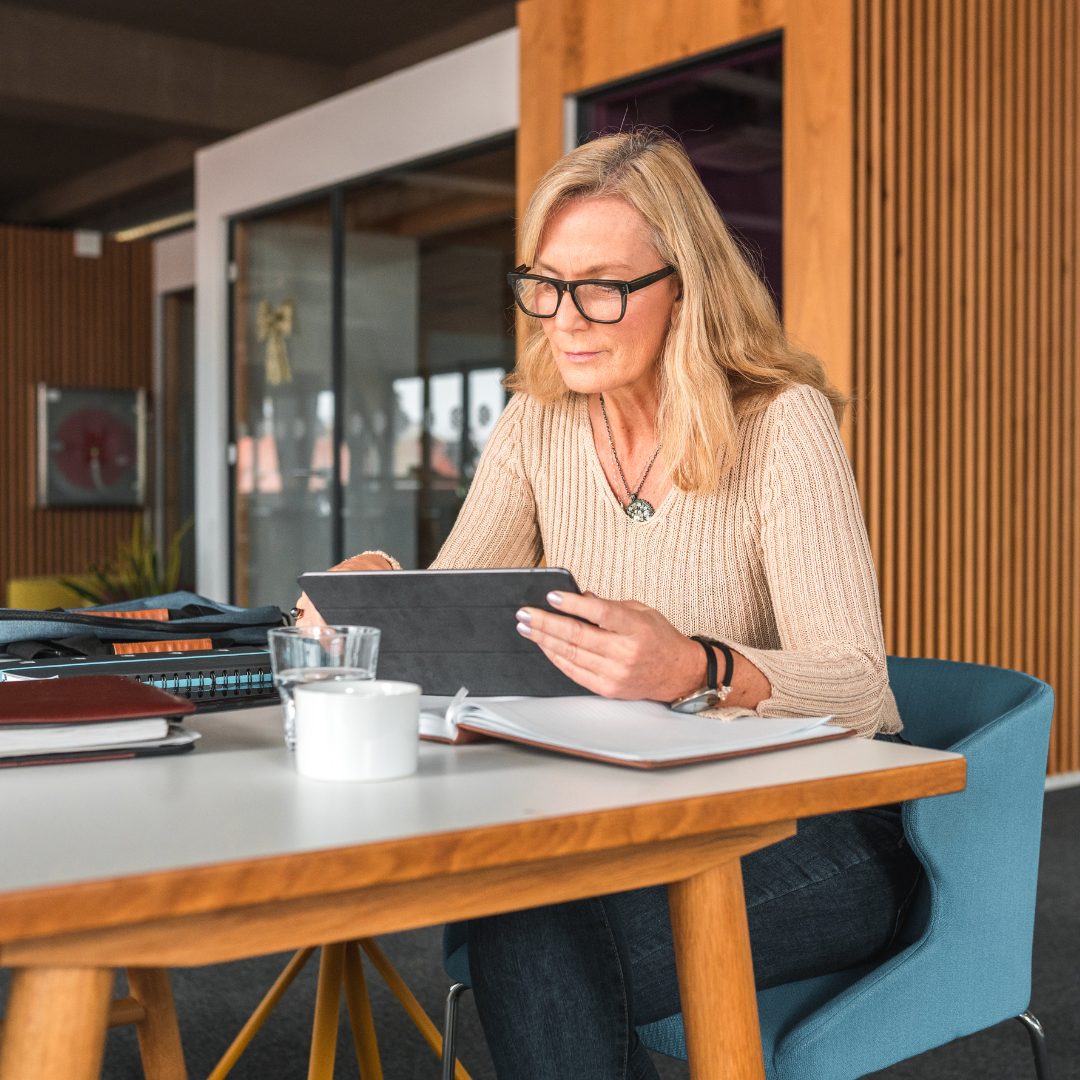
(727, 110)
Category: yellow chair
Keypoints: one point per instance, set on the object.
(43, 593)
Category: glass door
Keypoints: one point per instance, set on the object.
(391, 296)
(428, 340)
(284, 402)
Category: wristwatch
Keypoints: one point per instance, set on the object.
(709, 696)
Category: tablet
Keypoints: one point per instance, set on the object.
(445, 629)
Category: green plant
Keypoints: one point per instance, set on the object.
(134, 572)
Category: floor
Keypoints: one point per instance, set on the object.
(213, 1002)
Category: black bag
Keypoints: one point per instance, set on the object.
(32, 634)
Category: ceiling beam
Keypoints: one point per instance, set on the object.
(87, 72)
(98, 186)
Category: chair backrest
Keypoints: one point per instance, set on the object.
(967, 964)
(942, 701)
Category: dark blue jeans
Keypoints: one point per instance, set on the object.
(560, 989)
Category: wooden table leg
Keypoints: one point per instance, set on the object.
(159, 1033)
(327, 1007)
(55, 1023)
(363, 1025)
(716, 975)
(265, 1007)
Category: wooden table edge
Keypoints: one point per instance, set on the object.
(234, 933)
(111, 902)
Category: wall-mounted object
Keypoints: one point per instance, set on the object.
(275, 324)
(91, 447)
(89, 243)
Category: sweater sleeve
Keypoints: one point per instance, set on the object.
(820, 574)
(497, 525)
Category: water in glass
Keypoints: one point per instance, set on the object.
(288, 680)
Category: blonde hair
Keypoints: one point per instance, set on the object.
(726, 353)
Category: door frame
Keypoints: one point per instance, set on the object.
(569, 47)
(465, 96)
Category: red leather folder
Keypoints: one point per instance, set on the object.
(86, 699)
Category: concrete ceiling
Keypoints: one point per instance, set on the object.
(104, 102)
(323, 31)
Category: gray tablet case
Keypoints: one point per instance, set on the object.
(445, 629)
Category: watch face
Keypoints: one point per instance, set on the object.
(91, 447)
(696, 702)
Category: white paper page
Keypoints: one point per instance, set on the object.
(438, 714)
(175, 737)
(632, 730)
(43, 738)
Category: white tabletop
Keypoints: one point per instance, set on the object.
(237, 796)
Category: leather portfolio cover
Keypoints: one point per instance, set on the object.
(445, 629)
(85, 699)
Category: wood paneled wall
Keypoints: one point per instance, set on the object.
(967, 429)
(66, 321)
(569, 46)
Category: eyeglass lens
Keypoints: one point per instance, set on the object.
(600, 302)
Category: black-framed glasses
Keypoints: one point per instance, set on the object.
(598, 300)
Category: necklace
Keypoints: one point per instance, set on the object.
(637, 509)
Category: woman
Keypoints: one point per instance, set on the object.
(671, 448)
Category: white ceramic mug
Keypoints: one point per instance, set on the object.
(366, 730)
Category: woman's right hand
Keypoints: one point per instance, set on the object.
(309, 614)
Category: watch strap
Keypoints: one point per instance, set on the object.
(710, 675)
(709, 644)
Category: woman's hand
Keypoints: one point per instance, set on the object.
(631, 651)
(308, 614)
(371, 561)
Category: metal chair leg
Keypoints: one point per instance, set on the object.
(1038, 1044)
(409, 1003)
(449, 1045)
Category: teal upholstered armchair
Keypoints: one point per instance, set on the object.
(964, 959)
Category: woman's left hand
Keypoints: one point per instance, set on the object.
(631, 651)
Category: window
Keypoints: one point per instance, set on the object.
(391, 297)
(727, 110)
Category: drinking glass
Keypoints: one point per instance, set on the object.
(303, 654)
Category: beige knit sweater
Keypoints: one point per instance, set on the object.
(775, 561)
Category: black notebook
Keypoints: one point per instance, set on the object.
(445, 629)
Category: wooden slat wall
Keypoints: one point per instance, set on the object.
(66, 321)
(967, 302)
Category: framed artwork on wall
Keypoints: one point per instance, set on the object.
(91, 447)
